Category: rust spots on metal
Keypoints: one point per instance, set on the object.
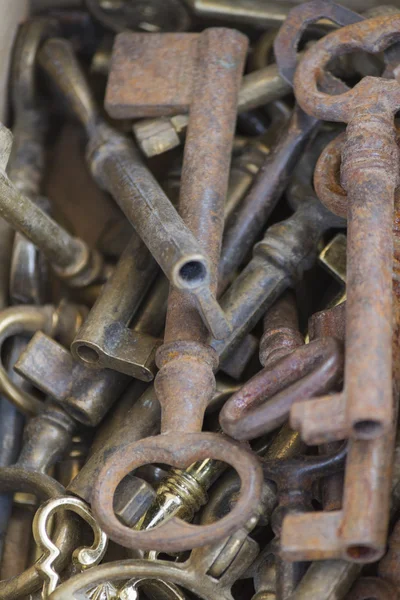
(369, 176)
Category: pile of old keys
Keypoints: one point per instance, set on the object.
(200, 302)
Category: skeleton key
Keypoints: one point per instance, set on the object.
(369, 174)
(185, 382)
(359, 530)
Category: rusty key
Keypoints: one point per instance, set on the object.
(186, 381)
(314, 418)
(369, 175)
(176, 86)
(202, 207)
(330, 579)
(85, 394)
(358, 532)
(117, 167)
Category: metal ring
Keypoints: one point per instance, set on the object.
(22, 320)
(371, 35)
(289, 35)
(203, 586)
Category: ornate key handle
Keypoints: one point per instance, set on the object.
(14, 479)
(179, 450)
(372, 35)
(297, 21)
(77, 587)
(83, 558)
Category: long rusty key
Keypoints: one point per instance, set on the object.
(369, 175)
(148, 90)
(358, 532)
(186, 381)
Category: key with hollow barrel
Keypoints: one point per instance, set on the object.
(117, 167)
(185, 383)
